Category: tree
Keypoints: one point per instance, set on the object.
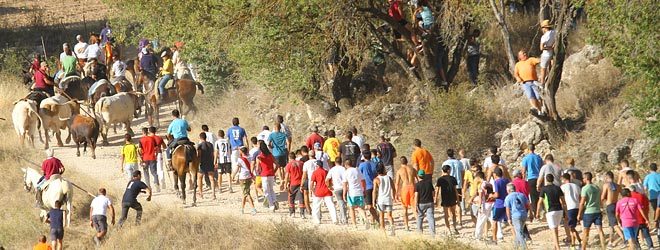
(500, 15)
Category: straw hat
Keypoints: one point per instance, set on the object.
(546, 24)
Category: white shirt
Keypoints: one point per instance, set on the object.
(548, 39)
(322, 156)
(466, 164)
(62, 56)
(245, 171)
(210, 137)
(336, 173)
(488, 162)
(254, 152)
(571, 195)
(309, 166)
(224, 150)
(359, 140)
(285, 130)
(354, 179)
(93, 51)
(553, 169)
(119, 69)
(79, 50)
(100, 205)
(263, 136)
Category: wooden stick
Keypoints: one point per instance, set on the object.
(43, 45)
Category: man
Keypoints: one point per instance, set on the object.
(79, 50)
(42, 81)
(321, 156)
(384, 191)
(516, 204)
(549, 168)
(643, 223)
(147, 149)
(292, 182)
(285, 129)
(237, 139)
(572, 197)
(357, 138)
(499, 210)
(349, 150)
(321, 194)
(314, 138)
(547, 46)
(210, 137)
(97, 71)
(627, 210)
(133, 189)
(42, 245)
(178, 129)
(263, 135)
(160, 146)
(525, 74)
(368, 170)
(553, 199)
(49, 167)
(148, 65)
(388, 153)
(652, 185)
(222, 157)
(488, 161)
(405, 182)
(166, 72)
(576, 174)
(446, 195)
(485, 204)
(473, 49)
(335, 179)
(252, 157)
(206, 166)
(278, 143)
(56, 218)
(589, 211)
(609, 196)
(424, 199)
(106, 33)
(245, 179)
(458, 172)
(98, 215)
(128, 158)
(354, 186)
(625, 167)
(470, 188)
(331, 146)
(422, 159)
(531, 165)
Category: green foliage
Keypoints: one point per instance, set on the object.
(627, 31)
(13, 60)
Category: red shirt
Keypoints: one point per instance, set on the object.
(51, 166)
(314, 138)
(644, 202)
(319, 177)
(294, 168)
(521, 186)
(148, 145)
(394, 11)
(39, 80)
(266, 163)
(158, 140)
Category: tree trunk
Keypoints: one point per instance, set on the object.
(504, 28)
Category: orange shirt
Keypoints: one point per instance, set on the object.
(526, 70)
(42, 246)
(422, 158)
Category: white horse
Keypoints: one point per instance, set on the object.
(58, 189)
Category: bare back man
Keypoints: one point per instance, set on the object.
(609, 196)
(405, 181)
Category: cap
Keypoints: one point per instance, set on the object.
(317, 145)
(421, 173)
(546, 24)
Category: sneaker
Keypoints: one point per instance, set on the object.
(254, 211)
(303, 216)
(97, 241)
(242, 211)
(272, 208)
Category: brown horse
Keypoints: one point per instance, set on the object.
(185, 160)
(183, 93)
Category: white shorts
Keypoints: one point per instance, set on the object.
(554, 218)
(546, 56)
(234, 159)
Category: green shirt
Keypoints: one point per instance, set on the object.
(69, 65)
(591, 193)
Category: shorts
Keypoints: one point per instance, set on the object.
(205, 168)
(56, 234)
(305, 185)
(546, 56)
(235, 154)
(384, 208)
(553, 218)
(368, 196)
(531, 90)
(245, 185)
(100, 223)
(499, 214)
(595, 218)
(572, 215)
(129, 168)
(628, 232)
(225, 168)
(611, 214)
(355, 201)
(281, 161)
(448, 203)
(257, 181)
(407, 194)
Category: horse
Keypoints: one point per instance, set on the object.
(183, 94)
(57, 189)
(184, 160)
(99, 89)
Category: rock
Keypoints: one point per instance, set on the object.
(619, 153)
(392, 111)
(543, 148)
(642, 151)
(598, 160)
(510, 150)
(527, 133)
(345, 105)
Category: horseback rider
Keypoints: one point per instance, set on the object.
(118, 70)
(178, 130)
(49, 167)
(166, 75)
(42, 81)
(148, 64)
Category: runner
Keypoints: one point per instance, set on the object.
(383, 194)
(643, 224)
(485, 205)
(210, 137)
(553, 201)
(266, 164)
(447, 194)
(56, 218)
(357, 138)
(285, 129)
(458, 172)
(98, 215)
(517, 204)
(335, 179)
(206, 166)
(245, 179)
(589, 211)
(422, 159)
(531, 165)
(237, 139)
(292, 183)
(160, 146)
(368, 170)
(147, 149)
(610, 196)
(321, 156)
(314, 138)
(263, 135)
(321, 194)
(128, 157)
(625, 167)
(549, 168)
(488, 161)
(471, 185)
(254, 152)
(652, 184)
(278, 143)
(133, 189)
(572, 197)
(331, 146)
(627, 210)
(576, 174)
(350, 150)
(405, 182)
(388, 153)
(354, 186)
(499, 211)
(522, 187)
(222, 157)
(424, 200)
(308, 169)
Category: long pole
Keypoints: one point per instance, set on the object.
(75, 185)
(43, 45)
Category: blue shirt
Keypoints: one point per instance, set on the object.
(652, 184)
(532, 164)
(278, 141)
(368, 170)
(516, 203)
(456, 171)
(56, 217)
(178, 128)
(500, 189)
(236, 135)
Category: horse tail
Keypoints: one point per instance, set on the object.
(200, 87)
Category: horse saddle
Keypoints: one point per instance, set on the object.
(189, 149)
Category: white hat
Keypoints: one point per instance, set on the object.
(144, 51)
(78, 37)
(163, 54)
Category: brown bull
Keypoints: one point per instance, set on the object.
(85, 130)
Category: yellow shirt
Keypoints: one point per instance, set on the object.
(130, 153)
(526, 70)
(331, 147)
(168, 67)
(474, 183)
